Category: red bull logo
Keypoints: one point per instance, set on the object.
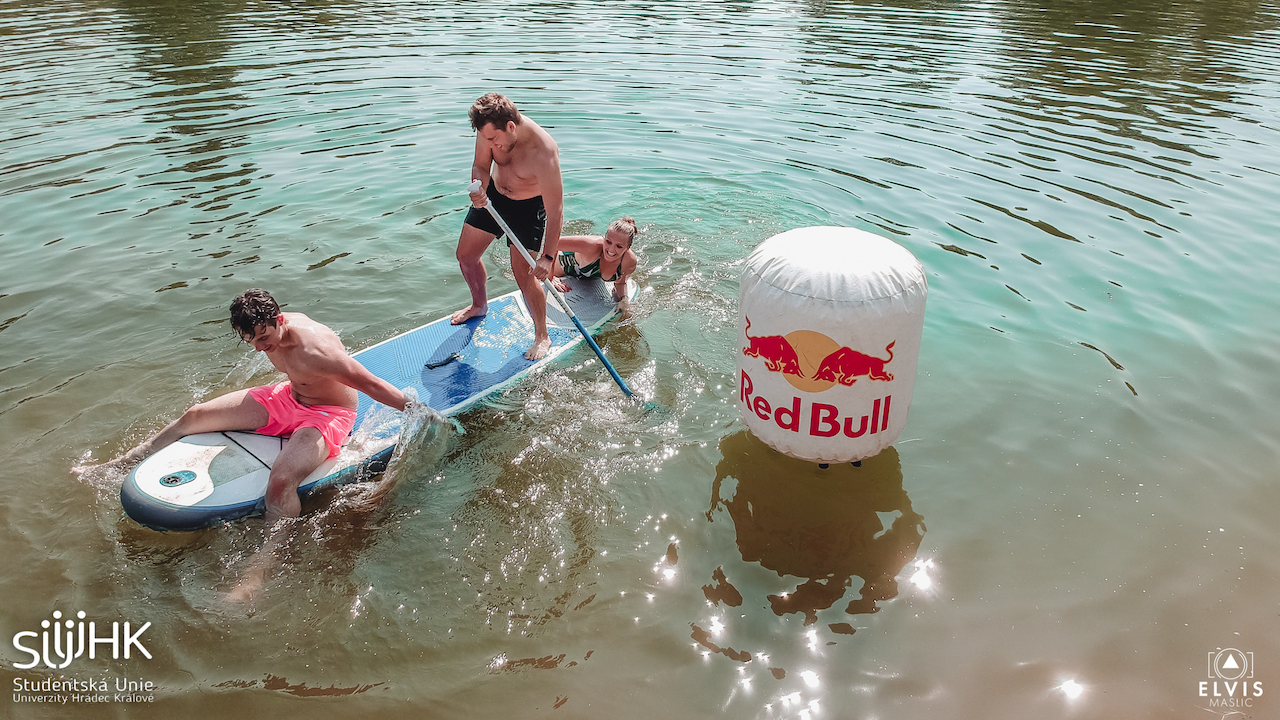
(846, 365)
(813, 362)
(817, 419)
(775, 350)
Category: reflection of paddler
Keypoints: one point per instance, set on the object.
(822, 525)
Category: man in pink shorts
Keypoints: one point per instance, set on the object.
(315, 408)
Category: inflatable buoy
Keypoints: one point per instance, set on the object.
(829, 324)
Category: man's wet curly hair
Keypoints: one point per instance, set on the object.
(493, 109)
(253, 309)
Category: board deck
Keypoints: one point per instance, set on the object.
(204, 479)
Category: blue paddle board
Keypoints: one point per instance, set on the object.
(201, 480)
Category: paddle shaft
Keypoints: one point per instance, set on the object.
(564, 305)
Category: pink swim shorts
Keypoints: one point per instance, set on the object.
(287, 415)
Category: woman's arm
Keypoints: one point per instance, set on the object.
(625, 268)
(590, 244)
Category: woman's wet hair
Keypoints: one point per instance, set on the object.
(253, 309)
(627, 226)
(493, 109)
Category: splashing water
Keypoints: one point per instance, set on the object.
(423, 439)
(419, 436)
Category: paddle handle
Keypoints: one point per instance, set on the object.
(564, 304)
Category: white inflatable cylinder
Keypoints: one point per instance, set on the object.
(829, 327)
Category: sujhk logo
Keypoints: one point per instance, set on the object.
(1228, 687)
(78, 637)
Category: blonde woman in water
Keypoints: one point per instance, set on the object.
(609, 257)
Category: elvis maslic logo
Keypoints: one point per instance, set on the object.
(1230, 683)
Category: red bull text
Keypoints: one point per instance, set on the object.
(822, 420)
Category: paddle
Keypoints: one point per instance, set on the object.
(515, 242)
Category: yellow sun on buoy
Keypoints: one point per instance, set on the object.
(811, 349)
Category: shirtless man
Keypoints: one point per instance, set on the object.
(317, 404)
(518, 166)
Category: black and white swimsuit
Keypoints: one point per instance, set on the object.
(569, 263)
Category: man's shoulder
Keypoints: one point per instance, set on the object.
(304, 320)
(312, 334)
(546, 143)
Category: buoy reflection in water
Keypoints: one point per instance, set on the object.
(819, 528)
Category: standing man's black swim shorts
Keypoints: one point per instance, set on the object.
(527, 218)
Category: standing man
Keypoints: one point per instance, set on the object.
(315, 407)
(518, 166)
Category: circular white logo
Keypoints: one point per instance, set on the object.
(1230, 664)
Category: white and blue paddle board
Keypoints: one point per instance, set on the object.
(201, 480)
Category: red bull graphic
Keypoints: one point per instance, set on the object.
(775, 350)
(813, 362)
(818, 419)
(846, 365)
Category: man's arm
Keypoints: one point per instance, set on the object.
(552, 187)
(352, 374)
(480, 171)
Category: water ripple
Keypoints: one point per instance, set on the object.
(1091, 188)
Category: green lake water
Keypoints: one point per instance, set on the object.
(1078, 521)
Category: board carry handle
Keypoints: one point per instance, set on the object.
(442, 363)
(564, 305)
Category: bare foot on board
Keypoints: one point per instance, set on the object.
(538, 349)
(468, 312)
